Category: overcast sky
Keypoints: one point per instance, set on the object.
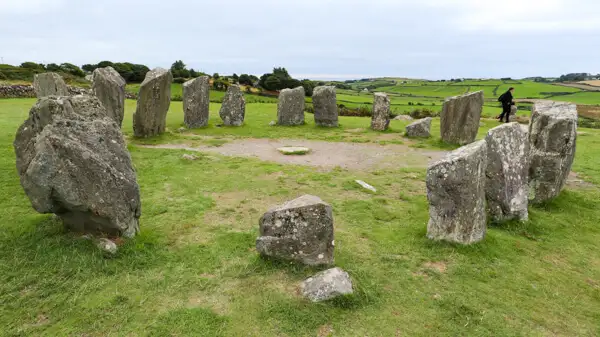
(316, 39)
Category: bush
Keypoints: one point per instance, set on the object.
(422, 113)
(2, 76)
(176, 98)
(179, 80)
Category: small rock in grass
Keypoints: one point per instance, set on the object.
(189, 157)
(420, 128)
(293, 150)
(107, 246)
(327, 285)
(181, 130)
(273, 123)
(403, 118)
(366, 186)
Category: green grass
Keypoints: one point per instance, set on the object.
(587, 97)
(193, 270)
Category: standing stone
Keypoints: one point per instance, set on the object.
(196, 101)
(233, 108)
(154, 99)
(381, 112)
(327, 285)
(552, 137)
(456, 194)
(109, 87)
(507, 172)
(49, 84)
(290, 108)
(420, 128)
(513, 114)
(73, 162)
(460, 118)
(300, 230)
(325, 104)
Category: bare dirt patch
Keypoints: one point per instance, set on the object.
(575, 182)
(326, 155)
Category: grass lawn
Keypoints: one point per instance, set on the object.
(193, 270)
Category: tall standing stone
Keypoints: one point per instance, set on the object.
(300, 230)
(552, 137)
(380, 120)
(456, 194)
(290, 108)
(196, 101)
(325, 105)
(507, 172)
(49, 84)
(153, 103)
(109, 87)
(233, 108)
(73, 162)
(459, 121)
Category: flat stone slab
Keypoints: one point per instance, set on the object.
(293, 150)
(327, 285)
(366, 186)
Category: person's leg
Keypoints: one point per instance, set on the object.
(503, 112)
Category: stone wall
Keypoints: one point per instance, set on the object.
(26, 91)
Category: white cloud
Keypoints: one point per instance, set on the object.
(13, 7)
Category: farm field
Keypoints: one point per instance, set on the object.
(193, 270)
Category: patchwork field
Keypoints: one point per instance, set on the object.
(193, 270)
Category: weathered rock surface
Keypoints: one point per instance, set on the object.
(403, 118)
(325, 104)
(552, 137)
(290, 108)
(507, 173)
(300, 230)
(460, 118)
(233, 108)
(380, 120)
(420, 128)
(49, 84)
(456, 194)
(196, 101)
(109, 87)
(153, 103)
(513, 114)
(107, 246)
(294, 150)
(327, 285)
(73, 162)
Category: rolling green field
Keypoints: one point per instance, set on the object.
(193, 270)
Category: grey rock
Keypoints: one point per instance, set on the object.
(507, 172)
(327, 285)
(459, 121)
(290, 108)
(49, 84)
(72, 161)
(456, 194)
(189, 157)
(325, 104)
(513, 114)
(420, 128)
(272, 123)
(403, 118)
(380, 120)
(552, 138)
(153, 103)
(233, 108)
(196, 101)
(107, 246)
(109, 87)
(300, 230)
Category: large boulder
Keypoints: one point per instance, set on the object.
(290, 108)
(325, 105)
(380, 120)
(459, 121)
(327, 285)
(420, 128)
(552, 137)
(300, 230)
(456, 194)
(233, 108)
(507, 172)
(73, 162)
(109, 87)
(513, 113)
(153, 103)
(49, 84)
(196, 101)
